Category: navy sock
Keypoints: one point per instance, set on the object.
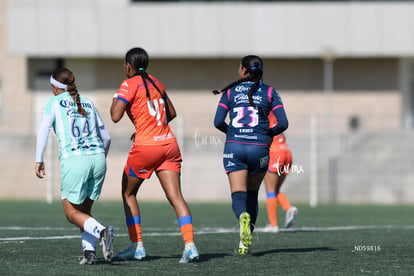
(252, 207)
(239, 200)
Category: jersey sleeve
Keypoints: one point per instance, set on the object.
(126, 92)
(221, 113)
(45, 125)
(278, 111)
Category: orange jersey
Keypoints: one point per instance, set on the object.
(147, 114)
(279, 141)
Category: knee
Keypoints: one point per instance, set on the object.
(70, 216)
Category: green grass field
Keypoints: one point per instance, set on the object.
(36, 239)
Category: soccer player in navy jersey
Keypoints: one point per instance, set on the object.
(248, 102)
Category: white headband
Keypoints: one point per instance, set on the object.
(57, 84)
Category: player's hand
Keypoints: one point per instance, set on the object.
(40, 169)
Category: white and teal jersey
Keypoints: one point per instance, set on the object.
(76, 134)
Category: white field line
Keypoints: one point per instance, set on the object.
(202, 231)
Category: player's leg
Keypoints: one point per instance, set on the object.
(257, 159)
(238, 188)
(90, 228)
(253, 184)
(291, 211)
(281, 197)
(130, 187)
(270, 181)
(170, 182)
(168, 173)
(94, 187)
(75, 174)
(88, 240)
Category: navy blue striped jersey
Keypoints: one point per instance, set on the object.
(246, 124)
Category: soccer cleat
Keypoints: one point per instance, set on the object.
(242, 250)
(290, 216)
(271, 229)
(190, 253)
(245, 231)
(107, 238)
(135, 251)
(89, 258)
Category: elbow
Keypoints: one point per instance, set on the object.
(285, 125)
(171, 117)
(115, 118)
(218, 124)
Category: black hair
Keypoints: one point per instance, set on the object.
(138, 59)
(65, 76)
(254, 72)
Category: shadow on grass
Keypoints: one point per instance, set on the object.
(202, 258)
(292, 250)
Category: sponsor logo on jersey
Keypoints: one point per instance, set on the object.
(244, 98)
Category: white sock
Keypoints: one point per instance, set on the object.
(189, 245)
(93, 227)
(88, 242)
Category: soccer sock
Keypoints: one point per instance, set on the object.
(283, 201)
(134, 228)
(271, 204)
(186, 225)
(88, 242)
(239, 202)
(93, 227)
(252, 207)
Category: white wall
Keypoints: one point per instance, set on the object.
(110, 27)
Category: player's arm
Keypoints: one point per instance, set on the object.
(41, 143)
(169, 108)
(278, 111)
(219, 118)
(282, 121)
(118, 108)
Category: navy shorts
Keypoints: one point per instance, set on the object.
(237, 157)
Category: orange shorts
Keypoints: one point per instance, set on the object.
(280, 161)
(144, 159)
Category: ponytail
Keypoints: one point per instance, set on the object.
(141, 72)
(138, 59)
(76, 98)
(254, 70)
(67, 78)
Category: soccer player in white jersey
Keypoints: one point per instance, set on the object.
(83, 145)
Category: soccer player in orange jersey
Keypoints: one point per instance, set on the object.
(280, 161)
(155, 149)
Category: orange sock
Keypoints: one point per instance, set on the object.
(283, 201)
(187, 230)
(271, 204)
(134, 228)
